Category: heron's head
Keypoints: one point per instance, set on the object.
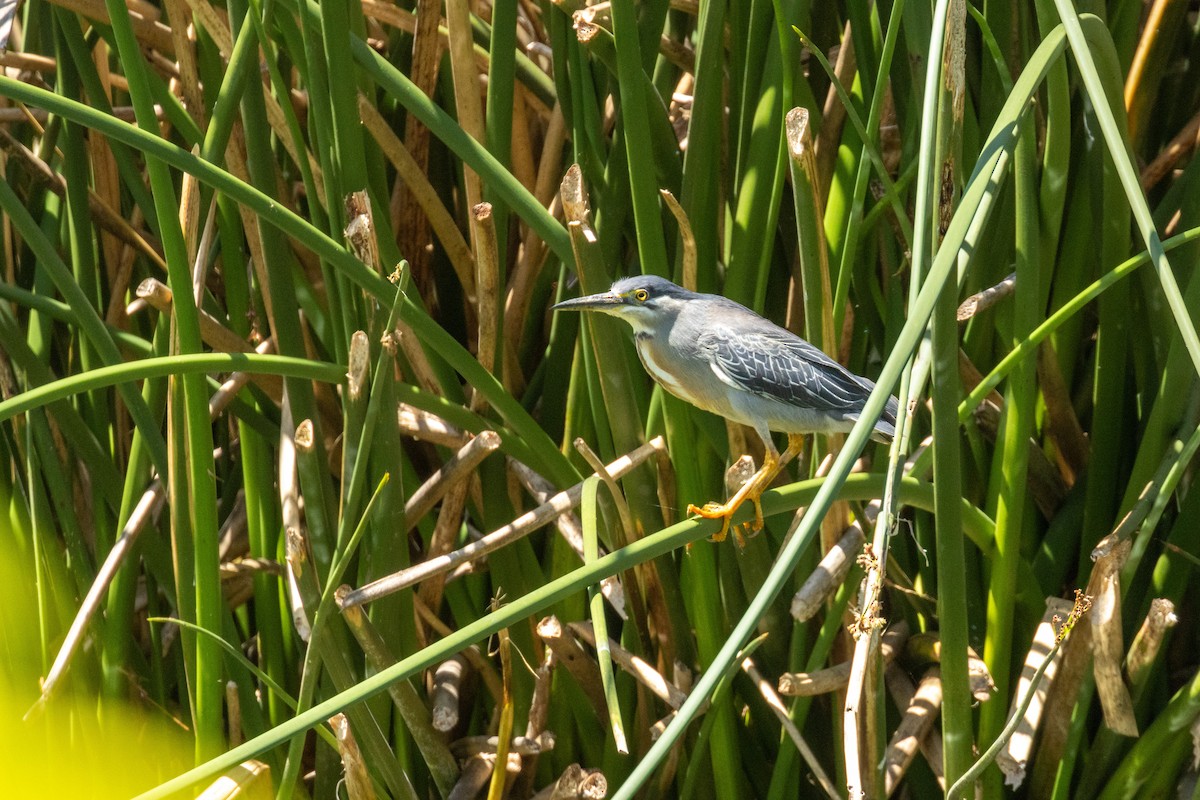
(644, 301)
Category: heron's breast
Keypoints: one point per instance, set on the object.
(653, 362)
(680, 376)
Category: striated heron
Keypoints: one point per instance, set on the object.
(722, 357)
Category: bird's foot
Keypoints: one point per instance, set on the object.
(714, 510)
(752, 490)
(725, 512)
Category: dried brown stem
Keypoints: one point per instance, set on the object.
(415, 181)
(1178, 148)
(781, 713)
(445, 533)
(639, 668)
(149, 31)
(576, 783)
(831, 679)
(983, 300)
(447, 691)
(902, 689)
(686, 238)
(571, 530)
(289, 495)
(412, 709)
(520, 285)
(358, 781)
(569, 654)
(914, 727)
(487, 291)
(454, 471)
(413, 351)
(1144, 650)
(833, 113)
(832, 570)
(927, 647)
(520, 527)
(475, 775)
(482, 666)
(360, 229)
(429, 427)
(520, 745)
(1062, 424)
(233, 712)
(212, 331)
(1015, 755)
(1108, 643)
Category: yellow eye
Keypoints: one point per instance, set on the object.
(641, 295)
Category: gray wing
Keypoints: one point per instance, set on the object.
(782, 366)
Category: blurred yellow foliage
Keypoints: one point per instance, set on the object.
(77, 745)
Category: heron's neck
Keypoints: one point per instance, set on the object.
(646, 331)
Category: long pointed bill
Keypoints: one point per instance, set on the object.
(605, 301)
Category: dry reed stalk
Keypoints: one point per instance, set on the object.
(833, 113)
(571, 530)
(1178, 148)
(1015, 755)
(1108, 645)
(832, 569)
(467, 98)
(487, 293)
(354, 768)
(414, 353)
(445, 533)
(488, 745)
(837, 677)
(641, 670)
(986, 298)
(569, 654)
(902, 689)
(212, 331)
(417, 718)
(418, 190)
(289, 496)
(447, 692)
(149, 31)
(927, 648)
(782, 714)
(482, 666)
(519, 528)
(1144, 649)
(412, 226)
(185, 59)
(429, 427)
(576, 783)
(1062, 424)
(456, 470)
(914, 727)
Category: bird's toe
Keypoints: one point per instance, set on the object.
(710, 510)
(714, 510)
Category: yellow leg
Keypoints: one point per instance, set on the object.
(751, 490)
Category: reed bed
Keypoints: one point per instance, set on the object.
(305, 492)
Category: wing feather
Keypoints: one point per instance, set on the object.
(784, 367)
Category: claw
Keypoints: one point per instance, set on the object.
(757, 524)
(714, 510)
(725, 512)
